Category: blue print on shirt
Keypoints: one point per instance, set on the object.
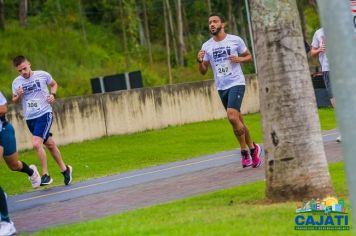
(221, 53)
(31, 87)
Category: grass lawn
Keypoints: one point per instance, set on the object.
(115, 154)
(240, 210)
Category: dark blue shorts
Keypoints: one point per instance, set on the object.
(7, 139)
(232, 97)
(40, 126)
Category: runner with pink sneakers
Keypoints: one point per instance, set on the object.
(224, 53)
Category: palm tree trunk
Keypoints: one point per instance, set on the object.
(295, 164)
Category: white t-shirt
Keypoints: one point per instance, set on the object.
(34, 100)
(318, 38)
(2, 102)
(226, 74)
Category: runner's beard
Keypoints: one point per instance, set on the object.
(217, 31)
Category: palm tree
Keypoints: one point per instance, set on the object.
(295, 164)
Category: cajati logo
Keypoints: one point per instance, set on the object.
(326, 214)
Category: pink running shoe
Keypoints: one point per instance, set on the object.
(35, 178)
(245, 159)
(256, 156)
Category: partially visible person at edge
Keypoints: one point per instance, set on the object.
(306, 47)
(31, 88)
(318, 48)
(7, 227)
(224, 53)
(8, 147)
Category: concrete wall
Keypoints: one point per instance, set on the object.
(89, 117)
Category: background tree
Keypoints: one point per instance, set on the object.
(189, 45)
(23, 9)
(181, 44)
(123, 22)
(2, 15)
(208, 5)
(147, 32)
(313, 3)
(84, 33)
(295, 163)
(172, 29)
(168, 50)
(301, 7)
(243, 23)
(115, 42)
(231, 18)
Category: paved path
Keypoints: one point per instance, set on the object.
(113, 194)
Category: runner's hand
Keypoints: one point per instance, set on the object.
(51, 99)
(234, 59)
(200, 55)
(322, 47)
(19, 91)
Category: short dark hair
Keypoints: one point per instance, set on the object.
(18, 60)
(222, 19)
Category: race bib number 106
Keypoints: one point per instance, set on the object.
(33, 105)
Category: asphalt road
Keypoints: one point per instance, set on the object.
(127, 191)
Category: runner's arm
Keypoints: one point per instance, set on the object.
(244, 57)
(3, 105)
(17, 97)
(315, 51)
(203, 67)
(3, 109)
(53, 87)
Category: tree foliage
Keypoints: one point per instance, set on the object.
(98, 27)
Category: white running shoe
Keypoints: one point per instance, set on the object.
(7, 228)
(338, 139)
(35, 178)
